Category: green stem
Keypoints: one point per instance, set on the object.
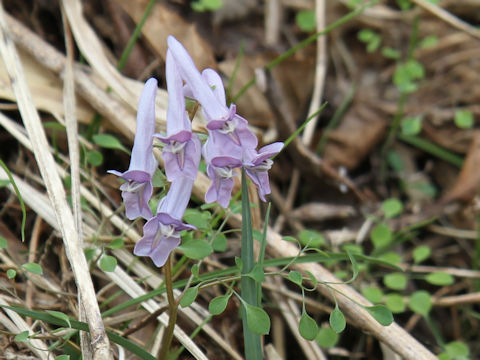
(136, 33)
(253, 347)
(172, 313)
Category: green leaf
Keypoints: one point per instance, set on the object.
(457, 349)
(218, 304)
(311, 238)
(395, 281)
(392, 207)
(421, 253)
(3, 243)
(62, 357)
(391, 53)
(4, 183)
(11, 273)
(295, 277)
(464, 119)
(257, 273)
(95, 158)
(391, 258)
(199, 219)
(337, 320)
(305, 20)
(411, 125)
(22, 337)
(420, 302)
(439, 279)
(60, 315)
(428, 41)
(381, 236)
(257, 319)
(196, 248)
(381, 313)
(395, 303)
(404, 4)
(108, 141)
(219, 243)
(327, 337)
(307, 327)
(117, 243)
(373, 293)
(34, 268)
(206, 5)
(189, 297)
(108, 263)
(195, 270)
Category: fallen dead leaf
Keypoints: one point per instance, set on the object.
(468, 181)
(163, 22)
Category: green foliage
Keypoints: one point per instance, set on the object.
(307, 327)
(421, 253)
(197, 218)
(371, 38)
(34, 268)
(257, 319)
(395, 303)
(327, 337)
(117, 243)
(464, 119)
(189, 296)
(108, 263)
(411, 125)
(219, 243)
(420, 302)
(3, 243)
(108, 141)
(391, 258)
(62, 357)
(404, 4)
(392, 207)
(305, 20)
(295, 277)
(391, 53)
(94, 158)
(381, 313)
(22, 337)
(455, 350)
(373, 294)
(381, 236)
(257, 273)
(60, 315)
(218, 304)
(337, 320)
(439, 279)
(395, 281)
(406, 75)
(195, 248)
(11, 273)
(206, 5)
(311, 238)
(428, 41)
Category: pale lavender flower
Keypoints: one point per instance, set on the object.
(137, 189)
(257, 167)
(161, 234)
(182, 150)
(221, 162)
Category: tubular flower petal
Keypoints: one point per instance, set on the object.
(258, 164)
(137, 190)
(182, 150)
(161, 234)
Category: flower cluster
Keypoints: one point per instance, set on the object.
(230, 145)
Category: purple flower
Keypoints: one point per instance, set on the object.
(161, 234)
(182, 149)
(137, 189)
(258, 165)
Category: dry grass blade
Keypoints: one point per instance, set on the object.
(17, 325)
(46, 163)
